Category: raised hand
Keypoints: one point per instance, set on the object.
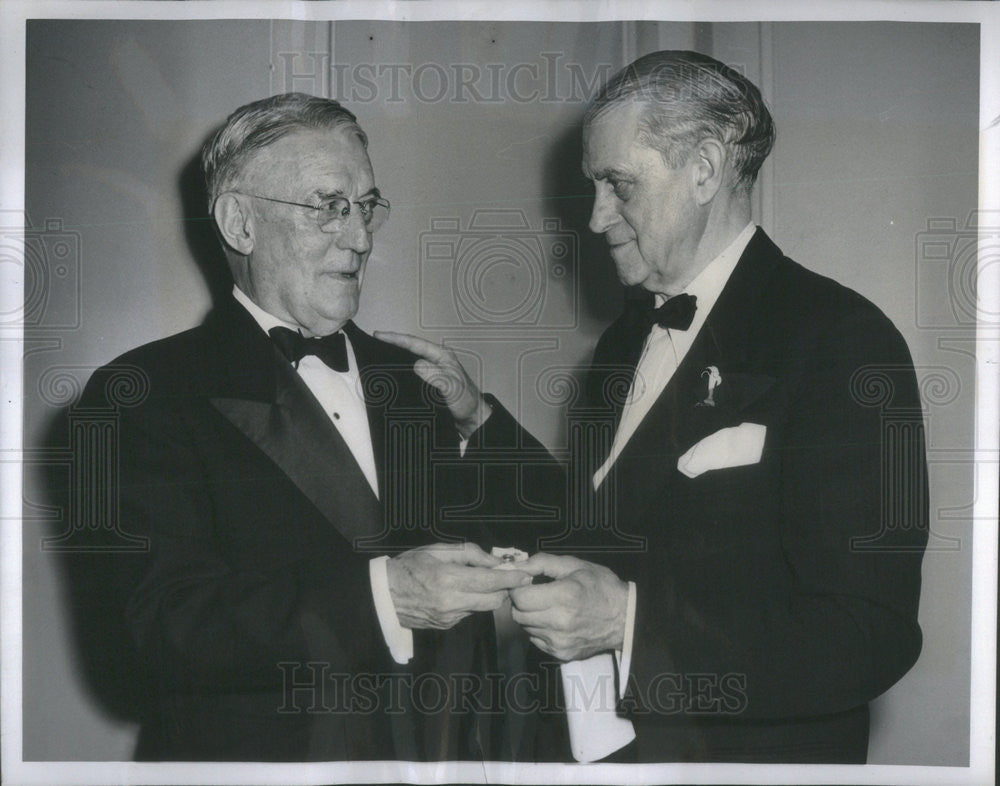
(580, 613)
(439, 367)
(436, 586)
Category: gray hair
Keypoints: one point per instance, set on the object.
(689, 96)
(256, 125)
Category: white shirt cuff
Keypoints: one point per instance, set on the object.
(595, 728)
(624, 657)
(397, 638)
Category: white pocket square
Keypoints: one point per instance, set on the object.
(728, 447)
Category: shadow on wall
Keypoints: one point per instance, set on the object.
(569, 196)
(88, 541)
(602, 297)
(199, 229)
(89, 560)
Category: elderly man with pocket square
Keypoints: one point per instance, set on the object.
(769, 519)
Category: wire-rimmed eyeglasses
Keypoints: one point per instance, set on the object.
(334, 212)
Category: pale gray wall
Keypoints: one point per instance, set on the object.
(877, 129)
(876, 135)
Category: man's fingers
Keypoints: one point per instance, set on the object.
(476, 557)
(535, 597)
(533, 621)
(556, 566)
(463, 554)
(428, 372)
(418, 346)
(484, 601)
(543, 645)
(478, 580)
(532, 566)
(447, 383)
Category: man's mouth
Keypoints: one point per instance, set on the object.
(616, 245)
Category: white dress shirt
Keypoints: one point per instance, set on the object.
(596, 732)
(665, 348)
(340, 395)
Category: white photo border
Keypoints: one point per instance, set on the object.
(13, 15)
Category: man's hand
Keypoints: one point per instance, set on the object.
(439, 367)
(580, 613)
(436, 586)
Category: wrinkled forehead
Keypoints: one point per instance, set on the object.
(610, 137)
(308, 159)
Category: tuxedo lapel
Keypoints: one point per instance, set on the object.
(679, 417)
(616, 361)
(373, 389)
(267, 400)
(393, 392)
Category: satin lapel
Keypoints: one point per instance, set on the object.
(609, 379)
(634, 338)
(282, 417)
(675, 421)
(391, 391)
(373, 388)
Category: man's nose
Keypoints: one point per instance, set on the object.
(355, 235)
(604, 213)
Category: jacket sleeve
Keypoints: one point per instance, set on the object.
(202, 621)
(509, 483)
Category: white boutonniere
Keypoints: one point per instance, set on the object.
(714, 380)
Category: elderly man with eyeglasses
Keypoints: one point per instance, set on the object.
(302, 597)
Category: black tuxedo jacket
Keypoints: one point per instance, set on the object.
(251, 609)
(774, 599)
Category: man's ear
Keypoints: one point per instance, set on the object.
(710, 159)
(234, 222)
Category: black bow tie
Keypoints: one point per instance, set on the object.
(331, 349)
(676, 313)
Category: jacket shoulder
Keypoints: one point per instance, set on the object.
(170, 366)
(818, 305)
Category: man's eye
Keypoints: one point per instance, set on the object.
(623, 190)
(336, 206)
